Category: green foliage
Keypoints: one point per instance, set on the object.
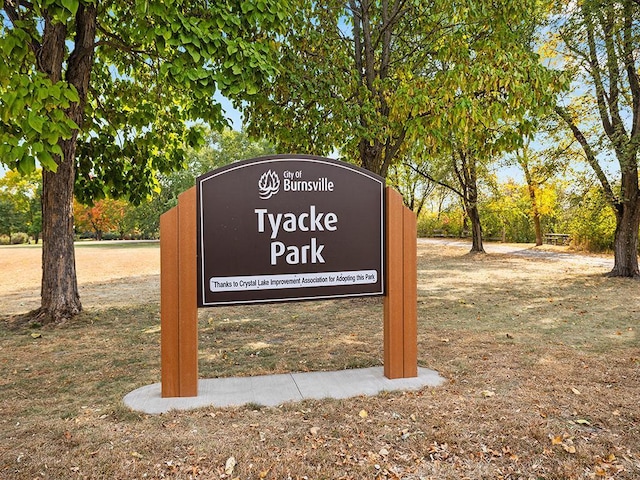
(371, 81)
(591, 221)
(507, 212)
(156, 66)
(446, 223)
(20, 203)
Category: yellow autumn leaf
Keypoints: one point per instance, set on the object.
(556, 440)
(363, 414)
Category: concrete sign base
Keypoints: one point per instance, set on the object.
(273, 390)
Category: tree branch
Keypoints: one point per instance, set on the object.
(591, 157)
(432, 179)
(11, 9)
(597, 78)
(632, 73)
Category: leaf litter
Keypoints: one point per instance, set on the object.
(508, 409)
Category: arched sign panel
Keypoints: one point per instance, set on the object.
(285, 228)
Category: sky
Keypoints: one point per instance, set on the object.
(230, 112)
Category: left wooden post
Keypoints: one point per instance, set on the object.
(178, 293)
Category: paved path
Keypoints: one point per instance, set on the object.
(525, 250)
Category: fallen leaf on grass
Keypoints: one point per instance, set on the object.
(564, 441)
(487, 393)
(363, 414)
(36, 335)
(136, 455)
(576, 391)
(314, 430)
(230, 465)
(556, 440)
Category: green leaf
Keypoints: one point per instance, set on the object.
(47, 162)
(71, 5)
(26, 164)
(72, 94)
(36, 122)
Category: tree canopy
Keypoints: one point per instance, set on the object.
(152, 67)
(368, 78)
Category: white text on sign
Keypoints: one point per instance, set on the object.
(292, 280)
(312, 221)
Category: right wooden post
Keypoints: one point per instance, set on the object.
(401, 299)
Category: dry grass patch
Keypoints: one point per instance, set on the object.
(542, 362)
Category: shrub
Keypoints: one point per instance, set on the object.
(593, 224)
(447, 224)
(19, 238)
(5, 240)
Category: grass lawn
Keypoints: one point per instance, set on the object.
(541, 358)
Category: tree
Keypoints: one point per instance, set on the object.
(375, 79)
(20, 199)
(414, 188)
(540, 167)
(103, 216)
(107, 90)
(461, 177)
(598, 43)
(370, 77)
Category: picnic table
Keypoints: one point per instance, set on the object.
(556, 238)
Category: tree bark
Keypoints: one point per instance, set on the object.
(535, 213)
(627, 225)
(476, 229)
(468, 179)
(537, 227)
(60, 299)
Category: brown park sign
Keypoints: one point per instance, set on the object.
(289, 227)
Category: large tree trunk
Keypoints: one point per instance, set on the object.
(476, 229)
(534, 203)
(626, 240)
(60, 299)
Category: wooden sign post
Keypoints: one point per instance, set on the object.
(178, 288)
(401, 299)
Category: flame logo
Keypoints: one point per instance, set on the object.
(268, 185)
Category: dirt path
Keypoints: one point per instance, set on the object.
(109, 274)
(546, 252)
